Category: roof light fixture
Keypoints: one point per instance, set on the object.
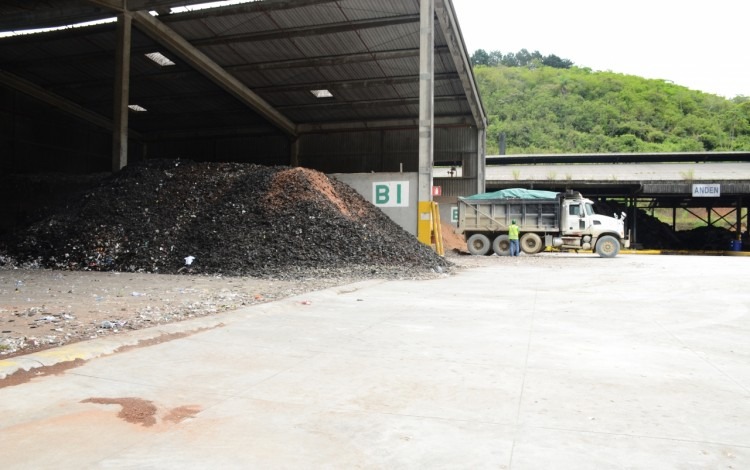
(215, 4)
(137, 108)
(6, 34)
(160, 59)
(321, 93)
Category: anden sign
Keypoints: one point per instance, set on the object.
(706, 190)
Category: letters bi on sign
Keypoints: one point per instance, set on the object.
(391, 194)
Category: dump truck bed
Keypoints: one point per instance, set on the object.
(495, 215)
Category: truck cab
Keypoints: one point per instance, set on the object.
(581, 227)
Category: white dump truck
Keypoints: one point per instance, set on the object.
(562, 220)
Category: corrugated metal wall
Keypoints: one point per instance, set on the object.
(455, 144)
(383, 150)
(35, 136)
(456, 186)
(262, 150)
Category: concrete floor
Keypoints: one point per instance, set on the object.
(552, 362)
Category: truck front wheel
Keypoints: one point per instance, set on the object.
(607, 247)
(478, 244)
(531, 243)
(501, 245)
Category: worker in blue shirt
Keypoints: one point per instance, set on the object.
(513, 237)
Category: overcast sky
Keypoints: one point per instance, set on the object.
(703, 45)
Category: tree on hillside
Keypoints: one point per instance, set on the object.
(480, 57)
(542, 109)
(496, 58)
(522, 58)
(553, 61)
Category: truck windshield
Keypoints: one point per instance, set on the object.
(590, 209)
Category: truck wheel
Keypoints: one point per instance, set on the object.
(501, 245)
(531, 243)
(607, 247)
(478, 244)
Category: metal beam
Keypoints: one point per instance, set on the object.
(264, 6)
(117, 6)
(174, 42)
(461, 60)
(138, 5)
(325, 61)
(335, 60)
(306, 87)
(48, 17)
(350, 84)
(379, 124)
(317, 30)
(56, 101)
(121, 92)
(371, 103)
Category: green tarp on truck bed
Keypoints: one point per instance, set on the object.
(515, 193)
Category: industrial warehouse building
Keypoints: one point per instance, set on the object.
(379, 93)
(345, 87)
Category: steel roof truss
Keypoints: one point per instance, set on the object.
(245, 8)
(202, 63)
(347, 84)
(56, 101)
(317, 30)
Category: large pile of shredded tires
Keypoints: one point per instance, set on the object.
(172, 216)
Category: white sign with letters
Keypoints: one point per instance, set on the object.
(706, 190)
(391, 194)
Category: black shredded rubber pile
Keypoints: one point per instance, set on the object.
(655, 234)
(231, 218)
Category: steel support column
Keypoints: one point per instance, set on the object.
(481, 160)
(426, 97)
(426, 119)
(122, 92)
(633, 237)
(294, 151)
(739, 217)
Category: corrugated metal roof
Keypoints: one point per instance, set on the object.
(307, 16)
(273, 48)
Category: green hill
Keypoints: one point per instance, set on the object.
(561, 108)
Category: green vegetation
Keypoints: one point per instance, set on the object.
(545, 104)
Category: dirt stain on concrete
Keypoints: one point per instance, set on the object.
(164, 338)
(181, 413)
(134, 410)
(22, 376)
